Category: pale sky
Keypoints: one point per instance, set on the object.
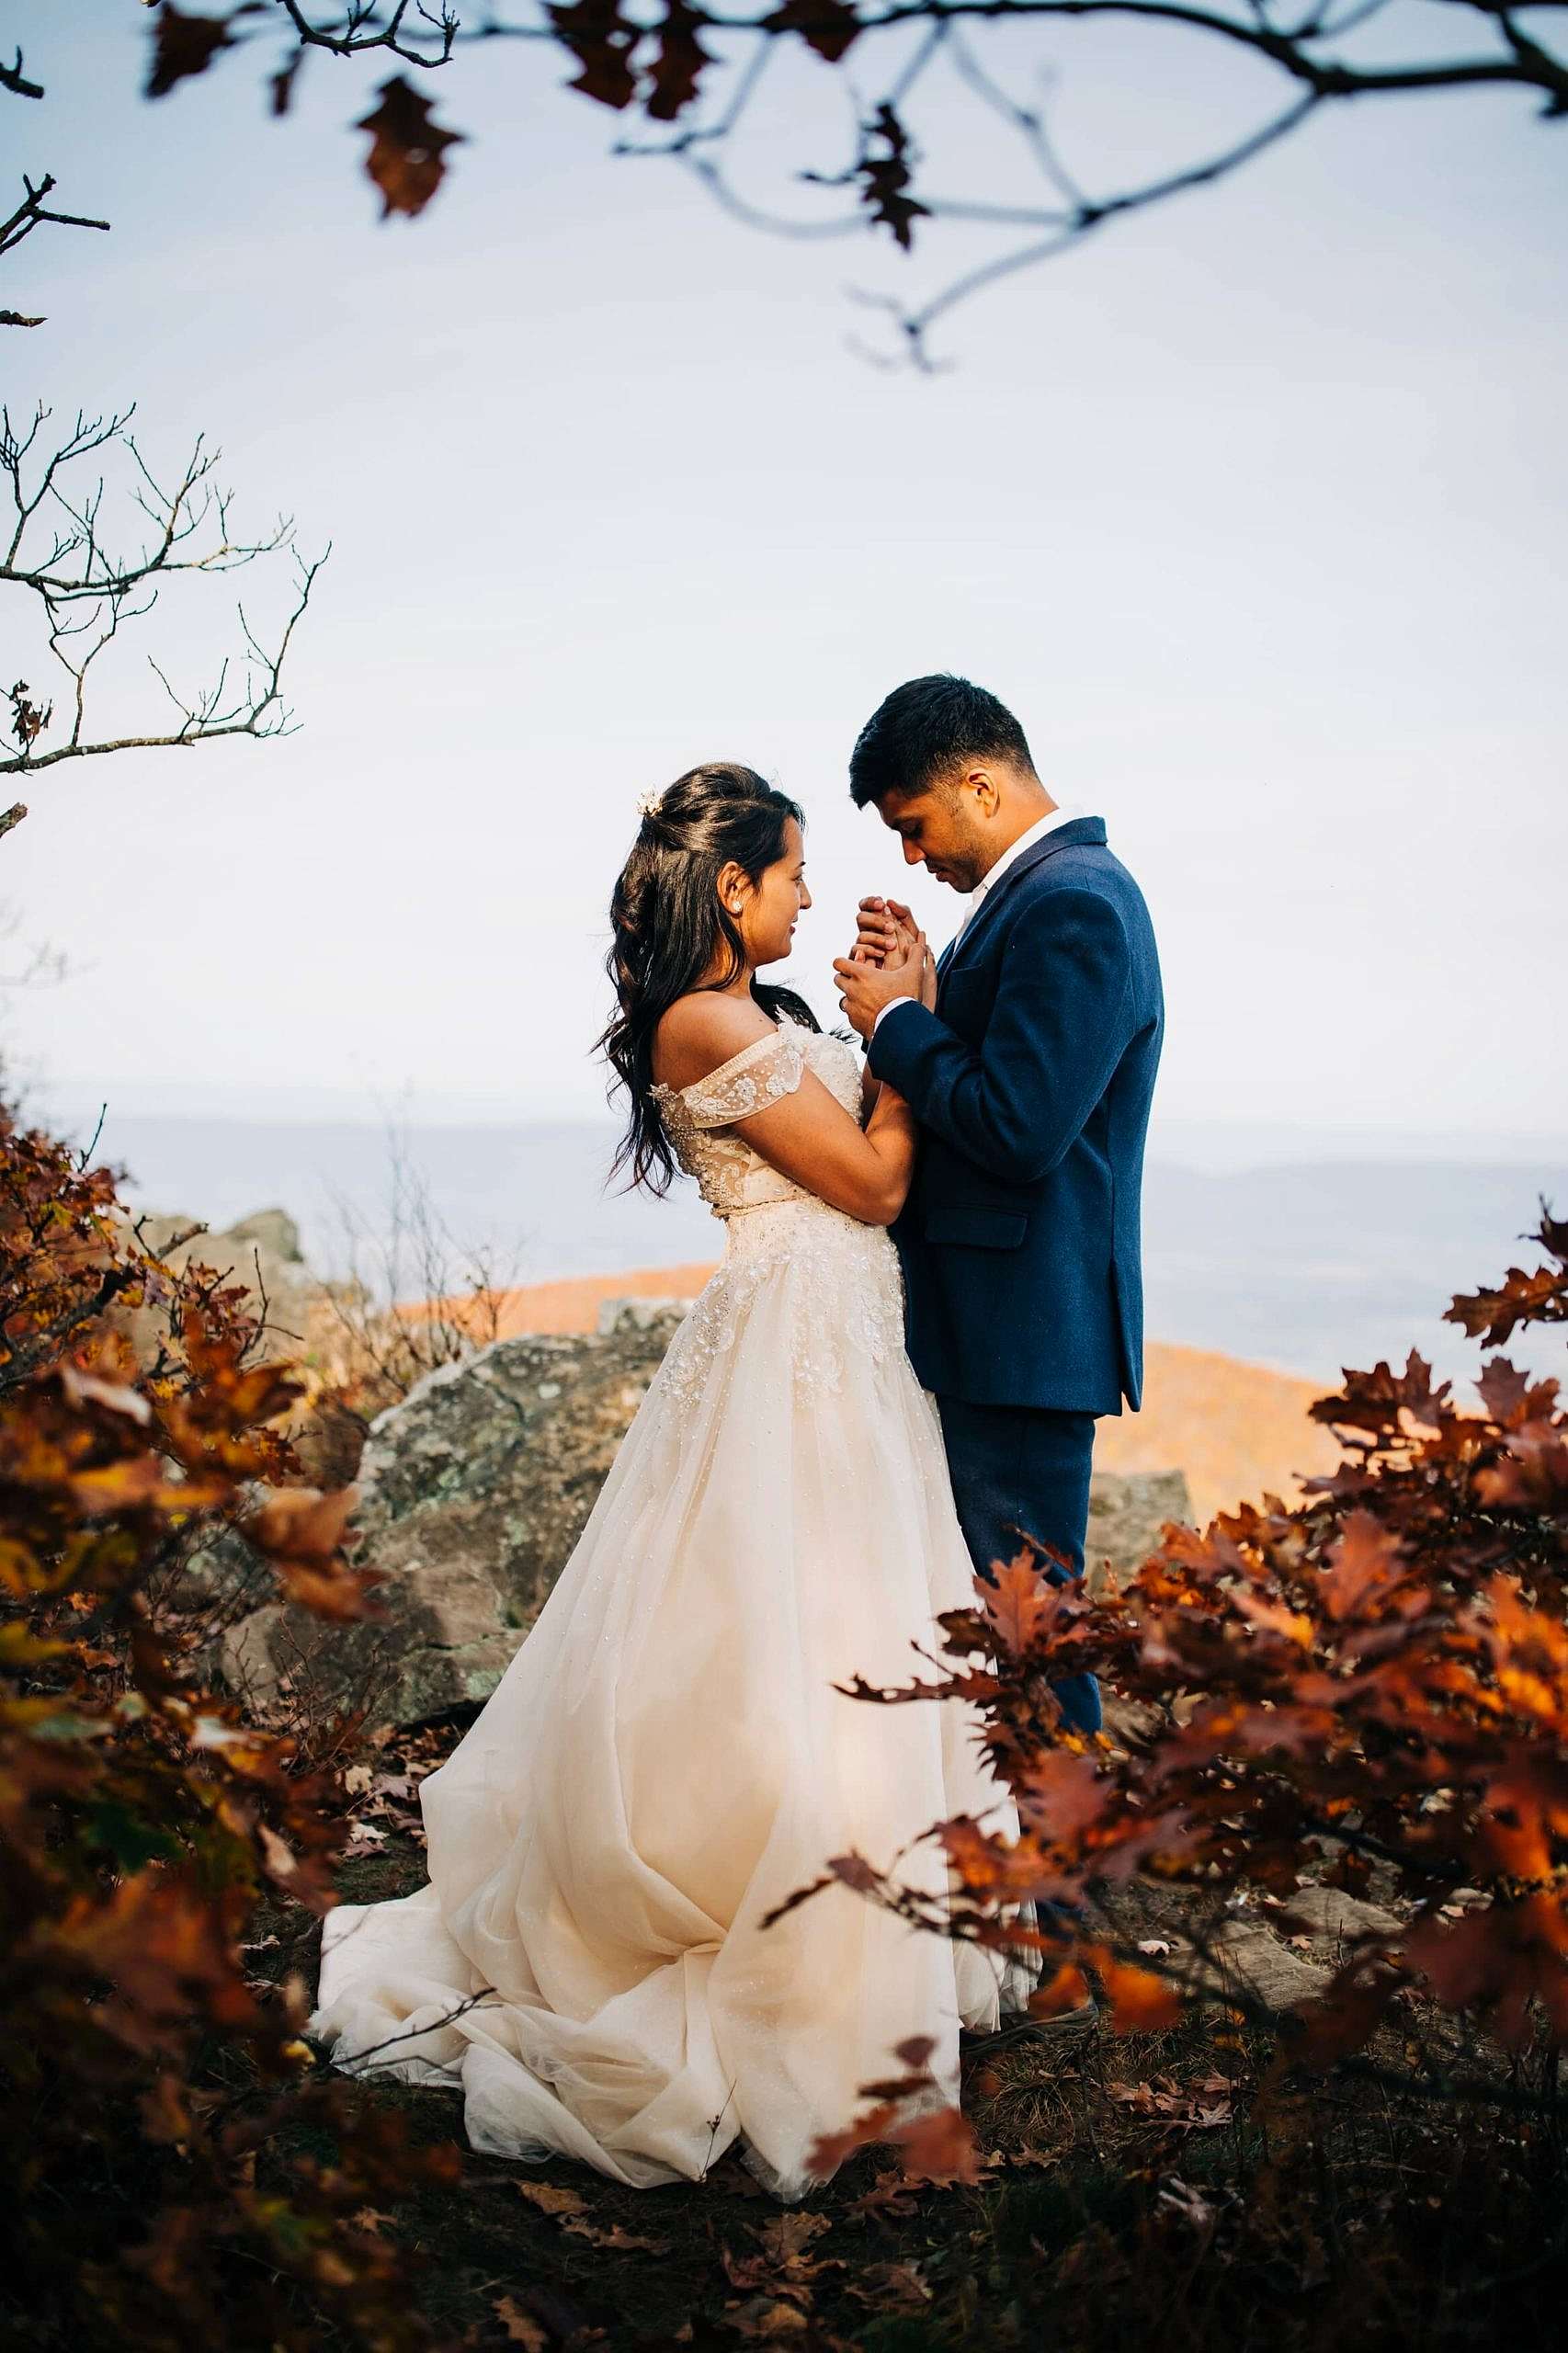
(1253, 511)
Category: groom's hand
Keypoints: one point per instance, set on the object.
(886, 932)
(866, 989)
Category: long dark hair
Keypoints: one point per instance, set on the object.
(671, 931)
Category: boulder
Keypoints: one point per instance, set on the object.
(1127, 1511)
(1336, 1917)
(259, 1255)
(473, 1491)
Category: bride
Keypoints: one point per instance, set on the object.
(666, 1758)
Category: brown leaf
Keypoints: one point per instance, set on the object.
(766, 2319)
(1016, 1603)
(562, 2204)
(939, 2146)
(302, 1523)
(602, 40)
(407, 149)
(1366, 1563)
(787, 2235)
(885, 175)
(184, 45)
(891, 2287)
(521, 2327)
(827, 25)
(673, 78)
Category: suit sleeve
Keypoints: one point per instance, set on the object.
(1062, 1021)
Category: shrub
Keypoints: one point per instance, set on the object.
(174, 2167)
(1371, 1689)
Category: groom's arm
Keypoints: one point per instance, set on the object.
(1062, 1021)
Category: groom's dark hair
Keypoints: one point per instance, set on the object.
(925, 729)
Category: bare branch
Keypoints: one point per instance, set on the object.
(647, 59)
(13, 79)
(32, 213)
(88, 590)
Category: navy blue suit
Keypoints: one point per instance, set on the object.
(1031, 1082)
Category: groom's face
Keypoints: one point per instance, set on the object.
(943, 829)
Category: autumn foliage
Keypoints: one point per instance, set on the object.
(175, 2172)
(1370, 1689)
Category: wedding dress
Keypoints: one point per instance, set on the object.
(667, 1757)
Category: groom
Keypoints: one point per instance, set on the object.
(1029, 1065)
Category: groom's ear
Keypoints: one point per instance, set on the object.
(982, 787)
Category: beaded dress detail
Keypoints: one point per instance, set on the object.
(666, 1760)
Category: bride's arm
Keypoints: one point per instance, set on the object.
(810, 1137)
(805, 1134)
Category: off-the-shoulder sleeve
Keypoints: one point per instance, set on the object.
(760, 1075)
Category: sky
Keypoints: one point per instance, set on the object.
(1252, 509)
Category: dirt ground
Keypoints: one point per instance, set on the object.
(1174, 2188)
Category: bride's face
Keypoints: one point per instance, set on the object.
(773, 903)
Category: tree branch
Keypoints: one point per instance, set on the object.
(86, 591)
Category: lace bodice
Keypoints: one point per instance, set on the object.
(699, 1117)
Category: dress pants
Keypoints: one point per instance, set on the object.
(1020, 1471)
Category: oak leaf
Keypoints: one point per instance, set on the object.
(602, 41)
(829, 26)
(408, 157)
(678, 61)
(183, 46)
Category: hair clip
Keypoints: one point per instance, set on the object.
(648, 804)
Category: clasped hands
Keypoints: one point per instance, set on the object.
(890, 958)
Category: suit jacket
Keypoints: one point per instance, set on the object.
(1031, 1082)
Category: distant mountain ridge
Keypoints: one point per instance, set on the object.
(1302, 1267)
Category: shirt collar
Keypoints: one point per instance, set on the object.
(1009, 857)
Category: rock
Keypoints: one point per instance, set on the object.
(1252, 1958)
(473, 1491)
(1329, 1914)
(261, 1255)
(1127, 1511)
(639, 1315)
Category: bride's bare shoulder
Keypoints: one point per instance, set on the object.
(702, 1031)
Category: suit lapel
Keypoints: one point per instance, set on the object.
(1080, 833)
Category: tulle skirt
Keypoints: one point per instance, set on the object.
(666, 1760)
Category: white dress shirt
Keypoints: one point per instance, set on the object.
(1009, 859)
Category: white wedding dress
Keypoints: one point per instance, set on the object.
(667, 1757)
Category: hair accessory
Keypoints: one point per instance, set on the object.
(648, 803)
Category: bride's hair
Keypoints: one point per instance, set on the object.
(670, 926)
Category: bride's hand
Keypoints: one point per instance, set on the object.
(866, 990)
(887, 932)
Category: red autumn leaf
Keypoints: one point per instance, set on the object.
(1141, 2003)
(1366, 1563)
(407, 149)
(1016, 1603)
(302, 1523)
(827, 2153)
(939, 2146)
(1066, 1989)
(1061, 1794)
